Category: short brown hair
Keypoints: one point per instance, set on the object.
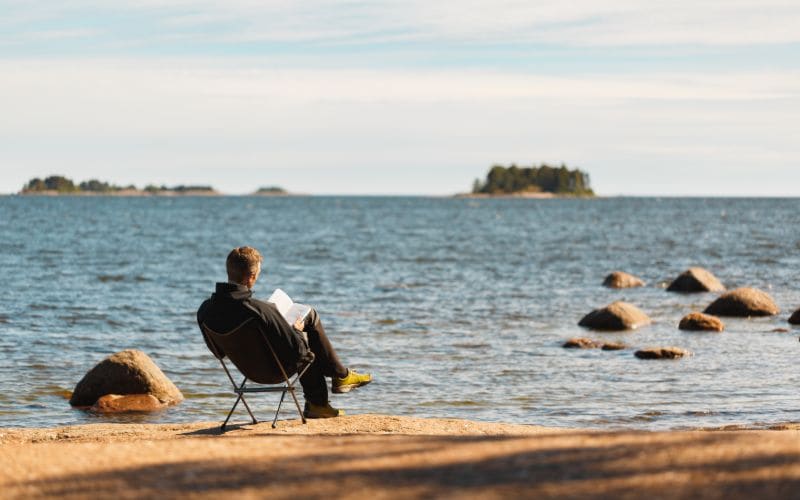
(242, 262)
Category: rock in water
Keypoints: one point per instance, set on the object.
(795, 318)
(114, 403)
(696, 279)
(662, 353)
(701, 322)
(126, 372)
(743, 302)
(616, 316)
(581, 343)
(619, 279)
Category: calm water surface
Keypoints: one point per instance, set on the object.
(458, 307)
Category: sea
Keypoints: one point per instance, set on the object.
(458, 307)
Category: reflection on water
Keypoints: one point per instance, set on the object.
(459, 307)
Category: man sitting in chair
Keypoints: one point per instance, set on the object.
(233, 303)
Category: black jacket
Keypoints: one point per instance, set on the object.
(232, 304)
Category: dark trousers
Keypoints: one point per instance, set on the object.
(326, 362)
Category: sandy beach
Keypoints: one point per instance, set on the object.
(376, 456)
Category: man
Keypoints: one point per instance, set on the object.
(233, 303)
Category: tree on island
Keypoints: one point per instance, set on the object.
(544, 178)
(63, 185)
(271, 190)
(57, 183)
(153, 189)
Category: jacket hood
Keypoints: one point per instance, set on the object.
(233, 291)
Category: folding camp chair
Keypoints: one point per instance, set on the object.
(249, 349)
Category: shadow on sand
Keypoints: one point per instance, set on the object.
(602, 466)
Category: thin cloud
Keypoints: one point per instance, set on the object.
(579, 23)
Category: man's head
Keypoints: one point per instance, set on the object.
(244, 266)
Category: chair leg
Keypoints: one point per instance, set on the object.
(244, 401)
(275, 420)
(231, 412)
(297, 404)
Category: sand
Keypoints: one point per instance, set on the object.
(376, 456)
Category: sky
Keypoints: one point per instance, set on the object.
(402, 97)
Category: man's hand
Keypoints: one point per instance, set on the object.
(300, 324)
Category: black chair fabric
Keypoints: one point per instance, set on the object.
(248, 348)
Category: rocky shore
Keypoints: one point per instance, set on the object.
(377, 456)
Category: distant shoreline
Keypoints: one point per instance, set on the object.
(123, 192)
(523, 195)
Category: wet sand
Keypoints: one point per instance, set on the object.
(376, 456)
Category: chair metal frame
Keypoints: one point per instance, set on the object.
(289, 385)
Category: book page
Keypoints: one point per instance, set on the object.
(282, 301)
(296, 312)
(290, 311)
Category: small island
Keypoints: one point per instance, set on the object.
(271, 191)
(543, 181)
(60, 185)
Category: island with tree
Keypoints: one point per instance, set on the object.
(271, 191)
(60, 185)
(543, 181)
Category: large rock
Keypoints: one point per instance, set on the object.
(795, 318)
(619, 279)
(616, 316)
(662, 353)
(126, 372)
(743, 302)
(701, 322)
(696, 279)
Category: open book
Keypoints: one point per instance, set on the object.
(290, 311)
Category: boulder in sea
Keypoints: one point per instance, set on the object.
(126, 372)
(795, 318)
(615, 316)
(743, 302)
(619, 279)
(581, 343)
(701, 322)
(662, 353)
(115, 403)
(696, 279)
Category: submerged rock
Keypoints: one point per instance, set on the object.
(115, 403)
(586, 343)
(696, 279)
(743, 302)
(616, 316)
(125, 373)
(619, 279)
(581, 343)
(662, 353)
(701, 322)
(795, 318)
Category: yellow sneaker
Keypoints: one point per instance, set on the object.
(321, 411)
(350, 382)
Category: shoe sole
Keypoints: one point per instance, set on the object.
(341, 389)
